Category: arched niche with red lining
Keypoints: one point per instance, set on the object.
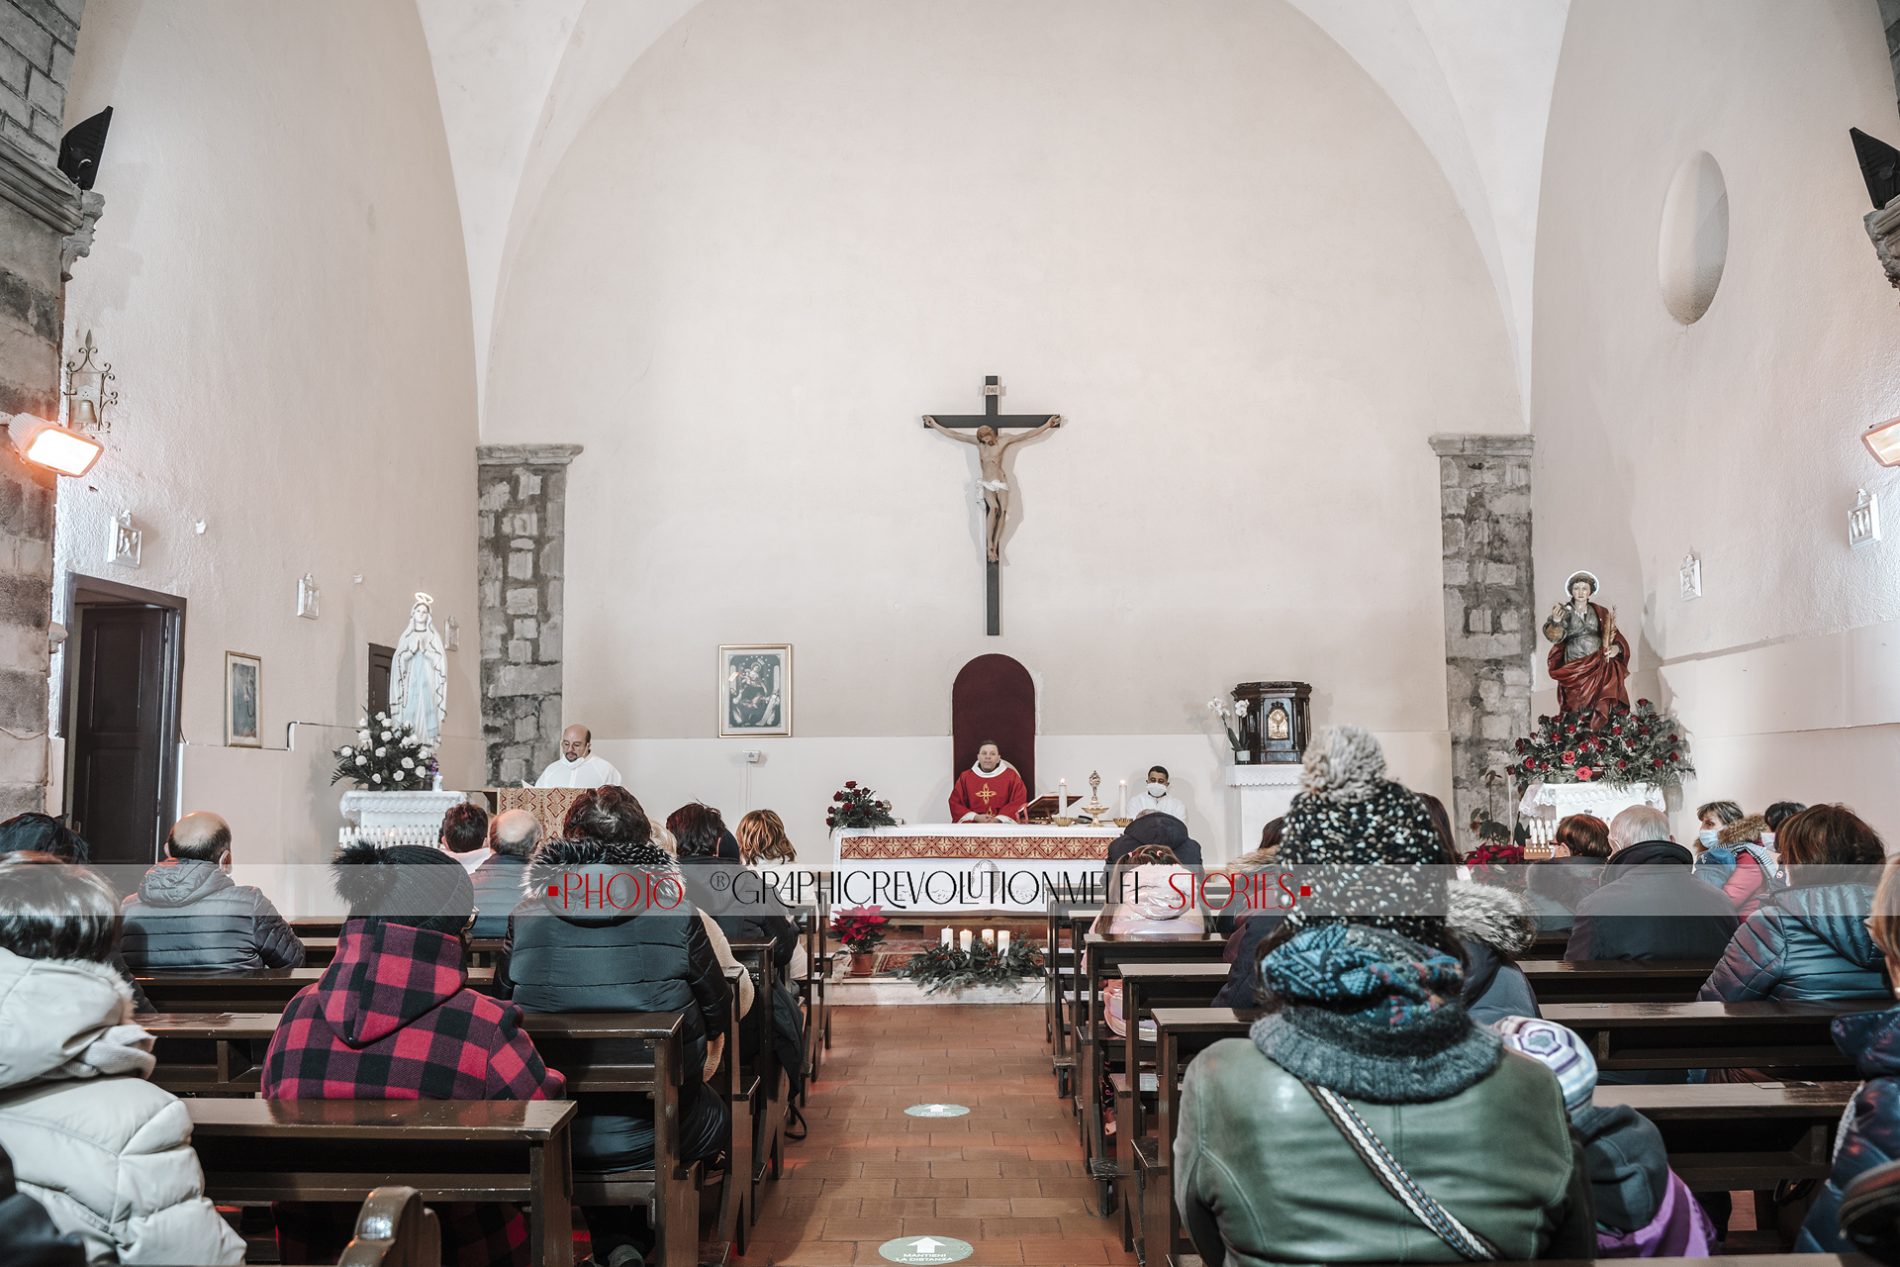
(993, 699)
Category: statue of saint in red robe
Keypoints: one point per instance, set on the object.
(990, 789)
(1589, 660)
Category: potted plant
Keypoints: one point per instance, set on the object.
(855, 806)
(388, 756)
(860, 931)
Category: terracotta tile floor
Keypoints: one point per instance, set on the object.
(1009, 1177)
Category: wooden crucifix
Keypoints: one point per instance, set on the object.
(991, 448)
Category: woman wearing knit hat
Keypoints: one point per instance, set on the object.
(392, 1018)
(1367, 1118)
(1643, 1208)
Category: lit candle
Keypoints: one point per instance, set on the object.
(1062, 795)
(1123, 813)
(1002, 942)
(945, 939)
(963, 941)
(989, 937)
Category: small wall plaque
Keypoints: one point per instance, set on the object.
(125, 542)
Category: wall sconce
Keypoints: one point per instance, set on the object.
(87, 395)
(1883, 441)
(52, 446)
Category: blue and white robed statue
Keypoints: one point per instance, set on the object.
(419, 675)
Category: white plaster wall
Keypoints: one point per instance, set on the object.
(279, 284)
(1203, 235)
(1737, 436)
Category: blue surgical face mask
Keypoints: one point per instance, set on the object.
(1709, 837)
(1768, 840)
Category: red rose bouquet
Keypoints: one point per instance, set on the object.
(854, 806)
(1639, 745)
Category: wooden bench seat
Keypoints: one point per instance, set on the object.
(257, 1151)
(1762, 1035)
(1616, 980)
(269, 990)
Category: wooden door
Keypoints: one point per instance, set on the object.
(118, 800)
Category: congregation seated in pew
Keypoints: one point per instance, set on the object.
(1556, 886)
(188, 915)
(1145, 898)
(105, 1153)
(1810, 940)
(1650, 905)
(512, 836)
(575, 950)
(392, 1018)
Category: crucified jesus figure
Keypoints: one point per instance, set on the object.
(990, 449)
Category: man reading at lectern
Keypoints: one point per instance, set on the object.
(988, 792)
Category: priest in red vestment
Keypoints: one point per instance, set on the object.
(989, 791)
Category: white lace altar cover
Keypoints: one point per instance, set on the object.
(396, 818)
(945, 868)
(1547, 804)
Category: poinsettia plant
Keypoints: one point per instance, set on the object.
(855, 806)
(859, 930)
(1639, 745)
(387, 756)
(1496, 862)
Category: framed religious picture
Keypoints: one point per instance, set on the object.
(755, 690)
(243, 708)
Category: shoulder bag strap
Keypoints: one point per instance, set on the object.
(1394, 1179)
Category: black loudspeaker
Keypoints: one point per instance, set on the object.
(83, 147)
(1879, 167)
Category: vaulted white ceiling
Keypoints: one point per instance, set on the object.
(519, 79)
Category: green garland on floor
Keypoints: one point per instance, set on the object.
(948, 968)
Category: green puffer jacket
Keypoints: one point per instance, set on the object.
(1262, 1176)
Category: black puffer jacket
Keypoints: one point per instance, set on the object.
(1870, 1130)
(189, 917)
(498, 884)
(1558, 886)
(574, 952)
(1805, 943)
(1651, 906)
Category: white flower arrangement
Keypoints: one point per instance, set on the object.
(1229, 716)
(401, 759)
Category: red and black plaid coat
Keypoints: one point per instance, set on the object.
(393, 1019)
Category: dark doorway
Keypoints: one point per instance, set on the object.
(124, 656)
(382, 662)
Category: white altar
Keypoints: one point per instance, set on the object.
(953, 868)
(1266, 793)
(396, 818)
(1546, 804)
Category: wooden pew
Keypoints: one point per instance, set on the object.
(258, 1151)
(267, 991)
(812, 924)
(1616, 980)
(1548, 945)
(761, 1081)
(1726, 1135)
(1711, 1035)
(1104, 955)
(394, 1229)
(1068, 922)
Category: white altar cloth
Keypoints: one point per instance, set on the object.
(947, 868)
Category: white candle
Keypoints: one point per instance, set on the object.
(989, 937)
(1062, 795)
(945, 939)
(963, 941)
(1002, 942)
(1123, 813)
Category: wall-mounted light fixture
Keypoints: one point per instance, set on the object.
(54, 447)
(1883, 441)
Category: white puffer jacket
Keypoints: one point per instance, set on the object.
(106, 1152)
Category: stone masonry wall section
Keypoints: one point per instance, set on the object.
(523, 513)
(1490, 628)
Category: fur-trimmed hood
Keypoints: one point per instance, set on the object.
(1498, 917)
(1744, 831)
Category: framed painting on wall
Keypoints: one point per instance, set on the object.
(243, 706)
(755, 690)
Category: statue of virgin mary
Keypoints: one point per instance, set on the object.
(419, 675)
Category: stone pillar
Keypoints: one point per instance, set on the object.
(521, 539)
(1490, 623)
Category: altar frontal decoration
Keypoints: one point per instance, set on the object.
(1626, 748)
(946, 967)
(855, 806)
(388, 756)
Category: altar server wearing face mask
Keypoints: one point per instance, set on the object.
(1156, 798)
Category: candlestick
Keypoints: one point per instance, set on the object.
(1002, 942)
(963, 941)
(989, 937)
(945, 939)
